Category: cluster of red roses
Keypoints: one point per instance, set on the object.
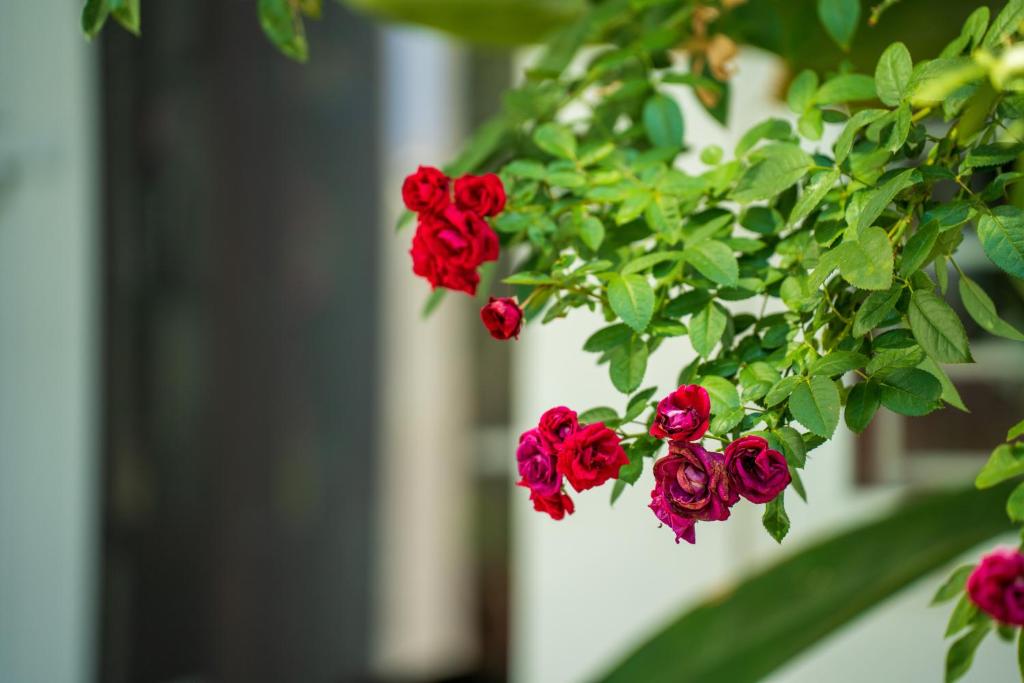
(452, 238)
(997, 585)
(560, 447)
(691, 483)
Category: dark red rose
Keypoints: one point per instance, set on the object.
(538, 465)
(556, 425)
(447, 248)
(558, 505)
(757, 472)
(683, 415)
(502, 317)
(683, 526)
(482, 194)
(427, 191)
(591, 456)
(996, 585)
(691, 483)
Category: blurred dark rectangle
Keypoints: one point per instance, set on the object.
(240, 320)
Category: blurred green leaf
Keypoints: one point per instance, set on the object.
(851, 573)
(840, 17)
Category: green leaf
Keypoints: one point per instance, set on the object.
(867, 262)
(771, 129)
(592, 232)
(599, 414)
(801, 91)
(840, 17)
(937, 328)
(282, 24)
(555, 139)
(1015, 431)
(433, 301)
(781, 391)
(757, 379)
(94, 15)
(607, 338)
(647, 261)
(617, 488)
(995, 154)
(949, 393)
(846, 88)
(780, 165)
(1020, 652)
(632, 299)
(628, 365)
(954, 585)
(663, 121)
(844, 143)
(815, 405)
(775, 519)
(1002, 237)
(793, 446)
(837, 363)
(918, 248)
(1015, 505)
(1005, 24)
(814, 192)
(638, 402)
(1006, 462)
(961, 653)
(128, 15)
(861, 405)
(851, 572)
(882, 197)
(706, 328)
(722, 393)
(714, 261)
(910, 391)
(481, 146)
(980, 307)
(892, 74)
(962, 615)
(875, 309)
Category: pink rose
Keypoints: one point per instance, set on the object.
(996, 585)
(683, 415)
(757, 472)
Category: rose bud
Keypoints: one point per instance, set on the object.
(538, 466)
(756, 472)
(996, 586)
(683, 415)
(426, 191)
(556, 425)
(692, 483)
(591, 456)
(558, 505)
(502, 317)
(482, 194)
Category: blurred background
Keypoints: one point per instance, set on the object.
(232, 450)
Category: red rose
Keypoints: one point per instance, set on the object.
(426, 191)
(483, 194)
(756, 472)
(591, 456)
(997, 585)
(558, 506)
(448, 248)
(692, 484)
(683, 415)
(502, 317)
(556, 425)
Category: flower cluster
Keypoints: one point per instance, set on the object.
(996, 586)
(560, 449)
(693, 484)
(452, 238)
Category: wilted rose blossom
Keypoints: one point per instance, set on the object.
(690, 483)
(426, 191)
(502, 317)
(538, 465)
(556, 425)
(758, 473)
(997, 585)
(483, 194)
(683, 415)
(558, 505)
(591, 456)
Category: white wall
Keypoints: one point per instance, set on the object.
(48, 351)
(589, 587)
